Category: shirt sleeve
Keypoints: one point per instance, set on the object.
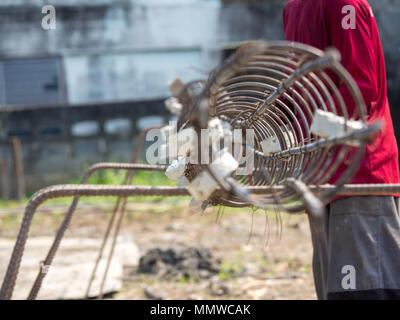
(356, 45)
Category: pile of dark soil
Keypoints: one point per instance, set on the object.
(178, 262)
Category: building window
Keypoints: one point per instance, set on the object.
(19, 133)
(85, 129)
(51, 131)
(118, 127)
(31, 82)
(149, 121)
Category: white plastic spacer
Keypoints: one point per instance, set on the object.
(328, 124)
(271, 145)
(204, 185)
(173, 105)
(177, 169)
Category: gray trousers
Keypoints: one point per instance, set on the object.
(357, 249)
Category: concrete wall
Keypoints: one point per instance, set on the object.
(116, 50)
(59, 144)
(131, 48)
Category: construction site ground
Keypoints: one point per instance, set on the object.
(263, 255)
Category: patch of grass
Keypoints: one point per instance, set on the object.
(109, 177)
(141, 178)
(291, 262)
(9, 222)
(229, 270)
(152, 178)
(116, 177)
(9, 204)
(146, 280)
(184, 279)
(306, 268)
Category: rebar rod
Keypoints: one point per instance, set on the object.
(64, 225)
(127, 180)
(127, 191)
(331, 56)
(113, 243)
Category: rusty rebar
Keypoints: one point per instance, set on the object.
(275, 89)
(66, 221)
(127, 180)
(127, 191)
(65, 191)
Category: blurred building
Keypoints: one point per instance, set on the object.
(81, 93)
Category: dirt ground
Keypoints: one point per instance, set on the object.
(263, 255)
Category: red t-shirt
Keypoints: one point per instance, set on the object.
(319, 23)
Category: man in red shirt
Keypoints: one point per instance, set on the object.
(362, 259)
